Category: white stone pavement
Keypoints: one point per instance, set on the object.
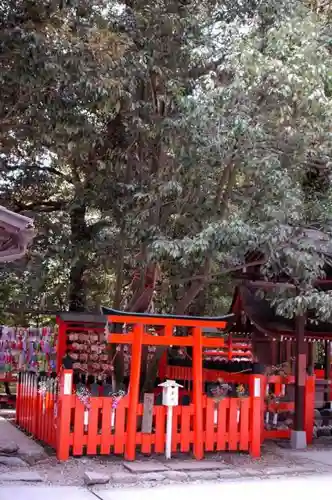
(273, 489)
(10, 434)
(45, 493)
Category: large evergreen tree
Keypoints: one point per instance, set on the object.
(169, 137)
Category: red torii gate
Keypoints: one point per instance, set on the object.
(166, 327)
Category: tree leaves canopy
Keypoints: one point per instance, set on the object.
(186, 134)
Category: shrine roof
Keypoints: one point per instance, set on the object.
(264, 317)
(115, 312)
(82, 317)
(16, 232)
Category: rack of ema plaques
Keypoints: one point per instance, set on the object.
(25, 349)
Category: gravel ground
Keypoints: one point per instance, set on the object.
(71, 473)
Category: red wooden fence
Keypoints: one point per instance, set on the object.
(271, 409)
(279, 405)
(36, 407)
(63, 422)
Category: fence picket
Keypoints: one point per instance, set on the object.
(29, 400)
(93, 440)
(107, 436)
(209, 425)
(120, 434)
(160, 429)
(186, 434)
(78, 427)
(175, 428)
(233, 425)
(244, 424)
(221, 431)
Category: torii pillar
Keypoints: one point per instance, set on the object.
(298, 434)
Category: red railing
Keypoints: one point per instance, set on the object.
(64, 423)
(320, 375)
(272, 408)
(185, 374)
(36, 407)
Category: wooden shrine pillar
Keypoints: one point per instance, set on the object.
(198, 393)
(134, 385)
(298, 436)
(327, 369)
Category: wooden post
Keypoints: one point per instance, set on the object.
(147, 418)
(257, 387)
(36, 399)
(327, 370)
(64, 414)
(300, 375)
(135, 373)
(18, 398)
(309, 407)
(198, 394)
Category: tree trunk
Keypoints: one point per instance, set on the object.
(120, 270)
(79, 236)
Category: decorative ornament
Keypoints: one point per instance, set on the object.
(84, 396)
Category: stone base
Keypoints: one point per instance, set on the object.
(298, 440)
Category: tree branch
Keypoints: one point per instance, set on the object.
(199, 71)
(50, 170)
(194, 289)
(223, 194)
(221, 273)
(41, 206)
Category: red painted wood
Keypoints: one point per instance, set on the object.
(175, 427)
(78, 433)
(135, 371)
(244, 424)
(256, 415)
(107, 435)
(233, 425)
(93, 441)
(185, 438)
(209, 425)
(63, 422)
(309, 408)
(160, 429)
(198, 396)
(223, 406)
